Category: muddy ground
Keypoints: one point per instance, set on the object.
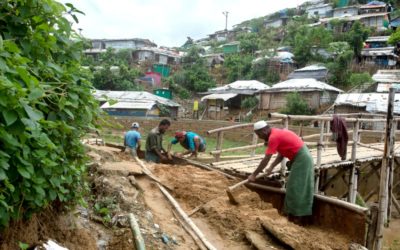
(118, 187)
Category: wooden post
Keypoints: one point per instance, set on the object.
(328, 130)
(391, 170)
(220, 140)
(254, 142)
(371, 238)
(284, 160)
(353, 176)
(383, 184)
(319, 155)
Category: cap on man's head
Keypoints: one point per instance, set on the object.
(259, 125)
(180, 134)
(135, 125)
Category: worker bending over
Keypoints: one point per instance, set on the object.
(300, 185)
(191, 141)
(154, 149)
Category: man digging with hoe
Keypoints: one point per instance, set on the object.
(300, 185)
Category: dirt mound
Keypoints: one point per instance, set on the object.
(48, 225)
(193, 187)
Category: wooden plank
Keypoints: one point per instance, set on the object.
(319, 155)
(220, 139)
(258, 241)
(371, 237)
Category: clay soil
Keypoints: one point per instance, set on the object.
(193, 187)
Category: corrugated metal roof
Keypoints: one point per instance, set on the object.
(387, 76)
(129, 105)
(377, 39)
(224, 97)
(316, 71)
(385, 87)
(133, 97)
(385, 51)
(373, 102)
(300, 85)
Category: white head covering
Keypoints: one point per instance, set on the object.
(135, 125)
(259, 125)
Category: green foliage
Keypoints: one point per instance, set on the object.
(360, 78)
(22, 245)
(194, 76)
(394, 38)
(249, 102)
(296, 105)
(356, 37)
(120, 77)
(308, 38)
(339, 66)
(46, 106)
(249, 42)
(164, 110)
(113, 71)
(238, 66)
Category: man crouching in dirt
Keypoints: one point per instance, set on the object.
(300, 186)
(154, 149)
(191, 141)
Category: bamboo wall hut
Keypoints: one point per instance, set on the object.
(316, 94)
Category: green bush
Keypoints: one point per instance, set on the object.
(45, 108)
(249, 102)
(360, 78)
(296, 105)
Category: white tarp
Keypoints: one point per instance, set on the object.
(242, 85)
(224, 97)
(129, 105)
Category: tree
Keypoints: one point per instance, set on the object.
(308, 38)
(238, 66)
(46, 106)
(194, 76)
(249, 42)
(356, 37)
(114, 70)
(394, 37)
(339, 66)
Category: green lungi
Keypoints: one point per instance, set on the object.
(300, 186)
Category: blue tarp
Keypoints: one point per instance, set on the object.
(376, 3)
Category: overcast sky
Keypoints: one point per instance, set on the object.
(168, 23)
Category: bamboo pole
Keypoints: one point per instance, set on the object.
(319, 155)
(383, 185)
(217, 152)
(137, 235)
(368, 146)
(244, 125)
(220, 140)
(314, 136)
(186, 218)
(349, 206)
(320, 118)
(391, 171)
(353, 176)
(328, 129)
(190, 232)
(254, 142)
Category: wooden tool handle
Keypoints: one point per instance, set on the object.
(245, 181)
